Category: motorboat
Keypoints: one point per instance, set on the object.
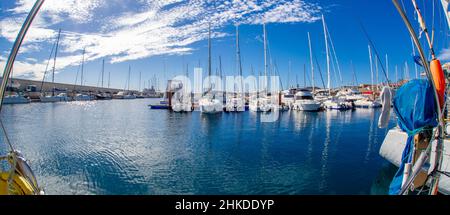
(366, 103)
(335, 103)
(287, 99)
(304, 101)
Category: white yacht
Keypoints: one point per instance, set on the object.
(366, 103)
(287, 99)
(335, 103)
(321, 95)
(304, 101)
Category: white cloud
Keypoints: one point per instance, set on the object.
(444, 55)
(161, 27)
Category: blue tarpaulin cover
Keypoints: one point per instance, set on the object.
(415, 107)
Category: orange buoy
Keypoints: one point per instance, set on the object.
(439, 79)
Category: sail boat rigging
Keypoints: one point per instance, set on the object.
(235, 101)
(332, 102)
(81, 96)
(62, 96)
(260, 102)
(209, 103)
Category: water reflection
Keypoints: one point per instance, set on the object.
(123, 147)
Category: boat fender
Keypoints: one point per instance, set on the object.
(439, 79)
(386, 99)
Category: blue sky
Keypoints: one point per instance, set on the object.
(147, 35)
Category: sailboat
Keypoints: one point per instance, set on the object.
(128, 94)
(103, 95)
(236, 101)
(304, 98)
(82, 96)
(16, 175)
(366, 101)
(332, 102)
(181, 100)
(209, 103)
(14, 98)
(260, 102)
(62, 96)
(418, 145)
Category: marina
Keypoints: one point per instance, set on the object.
(219, 112)
(121, 146)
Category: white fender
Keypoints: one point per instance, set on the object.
(386, 99)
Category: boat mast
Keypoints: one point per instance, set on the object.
(82, 67)
(396, 74)
(209, 53)
(265, 51)
(140, 73)
(187, 70)
(54, 62)
(304, 75)
(238, 53)
(109, 78)
(238, 58)
(371, 67)
(288, 76)
(311, 61)
(103, 70)
(129, 74)
(376, 70)
(328, 57)
(387, 67)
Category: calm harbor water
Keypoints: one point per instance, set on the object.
(123, 147)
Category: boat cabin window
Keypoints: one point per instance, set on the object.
(304, 98)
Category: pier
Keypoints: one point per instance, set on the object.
(48, 86)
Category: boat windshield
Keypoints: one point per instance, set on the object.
(304, 98)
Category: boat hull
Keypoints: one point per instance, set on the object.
(54, 99)
(15, 100)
